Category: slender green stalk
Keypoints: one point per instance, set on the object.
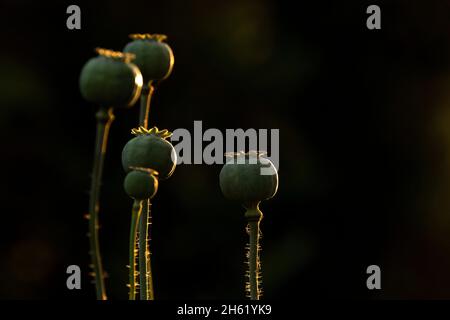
(145, 275)
(135, 213)
(254, 217)
(146, 97)
(104, 119)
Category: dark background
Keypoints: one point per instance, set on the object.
(364, 119)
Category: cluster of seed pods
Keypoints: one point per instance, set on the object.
(118, 79)
(149, 150)
(112, 80)
(147, 158)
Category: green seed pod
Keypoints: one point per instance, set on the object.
(141, 184)
(110, 80)
(150, 149)
(154, 58)
(241, 178)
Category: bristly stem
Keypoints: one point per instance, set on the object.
(135, 213)
(104, 119)
(254, 217)
(146, 278)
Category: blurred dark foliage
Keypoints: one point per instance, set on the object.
(364, 118)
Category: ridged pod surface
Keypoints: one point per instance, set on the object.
(154, 57)
(248, 178)
(150, 149)
(111, 80)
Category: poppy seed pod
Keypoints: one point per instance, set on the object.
(141, 184)
(154, 58)
(248, 178)
(111, 80)
(150, 149)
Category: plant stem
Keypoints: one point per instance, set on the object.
(254, 217)
(146, 279)
(104, 119)
(135, 213)
(146, 97)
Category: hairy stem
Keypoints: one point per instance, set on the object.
(146, 279)
(104, 119)
(254, 216)
(135, 213)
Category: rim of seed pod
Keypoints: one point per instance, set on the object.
(164, 133)
(148, 36)
(118, 55)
